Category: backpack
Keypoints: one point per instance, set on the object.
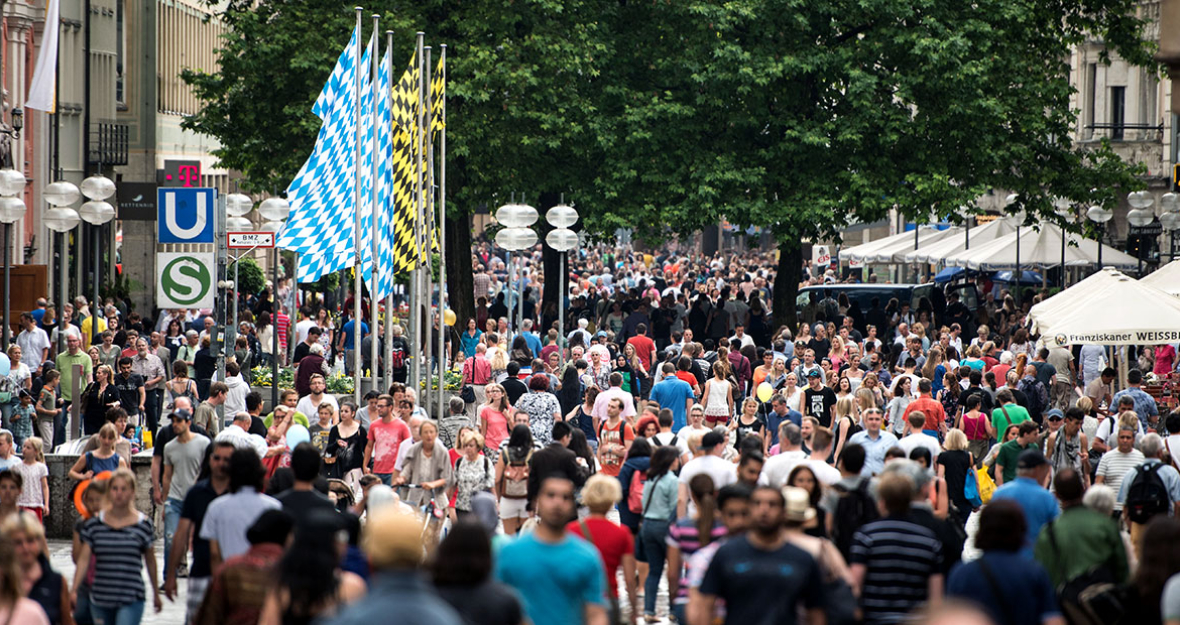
(1038, 397)
(635, 491)
(516, 476)
(1147, 496)
(1093, 597)
(854, 509)
(397, 359)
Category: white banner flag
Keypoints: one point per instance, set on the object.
(42, 91)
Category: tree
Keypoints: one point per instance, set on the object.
(250, 276)
(803, 117)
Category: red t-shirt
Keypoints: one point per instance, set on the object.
(935, 414)
(687, 377)
(643, 348)
(387, 438)
(612, 540)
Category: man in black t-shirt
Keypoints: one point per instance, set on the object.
(192, 514)
(131, 389)
(819, 401)
(304, 348)
(302, 498)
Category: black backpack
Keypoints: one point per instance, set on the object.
(854, 509)
(1147, 496)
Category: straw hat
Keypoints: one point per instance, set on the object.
(798, 505)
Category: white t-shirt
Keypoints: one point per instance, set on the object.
(1104, 428)
(913, 441)
(301, 330)
(778, 468)
(312, 411)
(824, 472)
(665, 438)
(683, 435)
(723, 473)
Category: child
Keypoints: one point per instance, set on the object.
(34, 494)
(102, 459)
(94, 500)
(48, 405)
(319, 431)
(22, 419)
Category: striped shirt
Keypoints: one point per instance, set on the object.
(118, 560)
(899, 557)
(283, 324)
(683, 534)
(1114, 466)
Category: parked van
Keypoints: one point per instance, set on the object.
(863, 294)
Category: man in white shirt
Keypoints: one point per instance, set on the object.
(722, 471)
(237, 433)
(917, 438)
(778, 468)
(304, 325)
(615, 391)
(821, 449)
(696, 423)
(309, 405)
(34, 343)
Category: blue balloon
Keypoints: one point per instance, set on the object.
(5, 364)
(297, 434)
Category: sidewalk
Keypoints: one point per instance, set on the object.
(173, 612)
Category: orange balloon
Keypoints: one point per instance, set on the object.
(80, 494)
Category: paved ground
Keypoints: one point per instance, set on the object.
(173, 613)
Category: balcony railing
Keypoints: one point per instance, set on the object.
(108, 143)
(1126, 132)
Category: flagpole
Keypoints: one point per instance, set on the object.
(374, 328)
(428, 124)
(443, 365)
(388, 378)
(358, 372)
(416, 312)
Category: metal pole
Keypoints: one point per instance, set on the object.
(562, 279)
(8, 284)
(428, 126)
(357, 321)
(443, 364)
(388, 378)
(1016, 271)
(416, 297)
(97, 295)
(1101, 236)
(1062, 257)
(274, 331)
(65, 287)
(374, 327)
(216, 338)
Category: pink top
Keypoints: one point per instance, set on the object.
(975, 427)
(497, 429)
(1165, 359)
(26, 612)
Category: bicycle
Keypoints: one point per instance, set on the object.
(431, 514)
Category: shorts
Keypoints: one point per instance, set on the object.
(717, 419)
(513, 508)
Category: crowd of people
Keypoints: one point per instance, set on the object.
(673, 440)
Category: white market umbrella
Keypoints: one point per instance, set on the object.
(896, 252)
(864, 251)
(1123, 312)
(1166, 278)
(1039, 249)
(980, 235)
(1065, 302)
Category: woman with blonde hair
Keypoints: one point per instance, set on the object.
(953, 465)
(117, 594)
(836, 353)
(920, 330)
(41, 583)
(934, 369)
(847, 422)
(873, 384)
(473, 473)
(101, 395)
(102, 459)
(600, 494)
(14, 606)
(494, 416)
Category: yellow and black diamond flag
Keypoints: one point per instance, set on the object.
(438, 93)
(406, 252)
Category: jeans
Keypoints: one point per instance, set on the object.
(129, 614)
(653, 533)
(172, 509)
(59, 424)
(82, 614)
(386, 478)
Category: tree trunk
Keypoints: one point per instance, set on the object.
(786, 282)
(460, 286)
(551, 259)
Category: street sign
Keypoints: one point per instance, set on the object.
(185, 280)
(137, 201)
(249, 240)
(820, 256)
(185, 215)
(180, 174)
(1153, 229)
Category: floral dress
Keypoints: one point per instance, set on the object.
(540, 407)
(472, 477)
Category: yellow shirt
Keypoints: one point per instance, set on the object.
(86, 332)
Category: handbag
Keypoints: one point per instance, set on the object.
(971, 489)
(984, 484)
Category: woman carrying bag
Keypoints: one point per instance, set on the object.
(659, 508)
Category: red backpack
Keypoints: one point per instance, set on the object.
(635, 491)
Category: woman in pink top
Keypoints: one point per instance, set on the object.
(1165, 359)
(494, 416)
(977, 426)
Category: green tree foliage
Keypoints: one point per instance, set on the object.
(250, 276)
(665, 116)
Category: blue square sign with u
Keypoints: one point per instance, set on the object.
(185, 215)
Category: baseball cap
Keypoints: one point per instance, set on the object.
(1031, 459)
(711, 440)
(1054, 414)
(814, 373)
(181, 414)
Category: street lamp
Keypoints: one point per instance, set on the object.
(96, 211)
(1100, 216)
(562, 239)
(61, 218)
(12, 208)
(1140, 215)
(515, 237)
(274, 210)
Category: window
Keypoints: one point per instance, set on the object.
(1118, 112)
(120, 51)
(1088, 116)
